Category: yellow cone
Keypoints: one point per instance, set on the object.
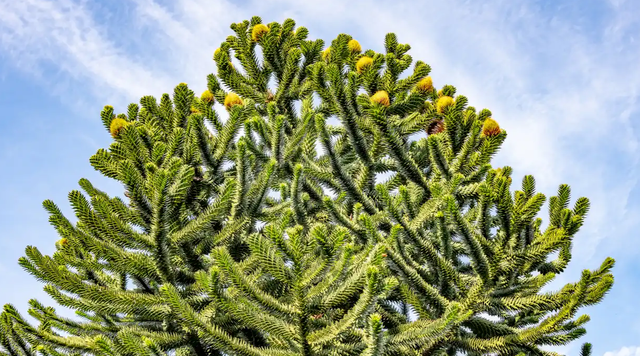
(354, 46)
(326, 53)
(490, 127)
(232, 99)
(363, 63)
(116, 126)
(258, 31)
(207, 97)
(381, 98)
(425, 85)
(443, 103)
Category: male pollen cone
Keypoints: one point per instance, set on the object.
(435, 127)
(381, 98)
(258, 31)
(354, 46)
(425, 85)
(207, 97)
(232, 99)
(326, 53)
(363, 63)
(490, 127)
(443, 103)
(116, 126)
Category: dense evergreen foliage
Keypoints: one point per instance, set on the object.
(273, 232)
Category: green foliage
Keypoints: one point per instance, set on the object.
(239, 237)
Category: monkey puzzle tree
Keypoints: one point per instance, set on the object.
(240, 237)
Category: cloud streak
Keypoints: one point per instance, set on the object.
(64, 36)
(625, 351)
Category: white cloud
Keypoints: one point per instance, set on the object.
(40, 34)
(625, 351)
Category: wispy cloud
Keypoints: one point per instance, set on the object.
(625, 351)
(67, 41)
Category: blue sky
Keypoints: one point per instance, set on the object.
(562, 77)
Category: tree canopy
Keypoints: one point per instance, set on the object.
(269, 231)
